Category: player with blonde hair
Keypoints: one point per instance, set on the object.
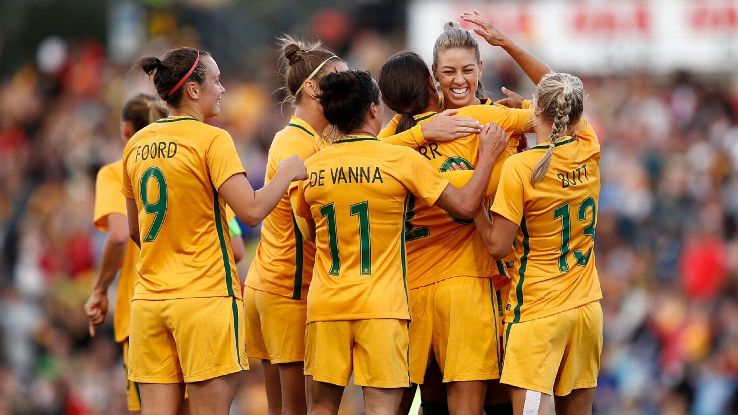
(545, 211)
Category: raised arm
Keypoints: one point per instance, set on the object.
(533, 67)
(253, 206)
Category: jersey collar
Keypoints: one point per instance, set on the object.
(356, 137)
(423, 116)
(173, 118)
(562, 141)
(301, 124)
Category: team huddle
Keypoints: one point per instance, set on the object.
(438, 250)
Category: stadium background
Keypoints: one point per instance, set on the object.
(663, 95)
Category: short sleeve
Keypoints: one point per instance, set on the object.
(509, 200)
(390, 128)
(512, 120)
(222, 159)
(108, 198)
(419, 176)
(127, 183)
(300, 207)
(412, 137)
(516, 121)
(460, 178)
(585, 131)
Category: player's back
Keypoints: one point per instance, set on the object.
(554, 250)
(174, 167)
(357, 193)
(284, 259)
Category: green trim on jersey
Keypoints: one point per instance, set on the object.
(297, 289)
(300, 127)
(424, 117)
(523, 266)
(234, 307)
(163, 120)
(221, 239)
(350, 139)
(560, 143)
(408, 195)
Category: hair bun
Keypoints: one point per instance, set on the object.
(293, 53)
(451, 26)
(150, 64)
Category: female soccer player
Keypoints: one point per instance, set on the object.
(355, 200)
(119, 252)
(178, 175)
(547, 204)
(279, 276)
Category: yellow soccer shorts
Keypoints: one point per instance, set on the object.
(186, 340)
(456, 320)
(375, 350)
(555, 354)
(275, 326)
(133, 395)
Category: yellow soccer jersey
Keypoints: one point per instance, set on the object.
(109, 200)
(356, 193)
(554, 249)
(284, 258)
(172, 169)
(432, 233)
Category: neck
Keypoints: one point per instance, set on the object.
(432, 105)
(363, 130)
(543, 132)
(311, 115)
(188, 111)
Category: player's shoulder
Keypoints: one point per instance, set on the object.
(110, 171)
(478, 110)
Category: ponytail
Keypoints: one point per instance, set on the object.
(560, 100)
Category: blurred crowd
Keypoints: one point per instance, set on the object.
(667, 234)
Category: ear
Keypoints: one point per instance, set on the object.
(126, 130)
(311, 88)
(373, 111)
(481, 67)
(192, 89)
(432, 84)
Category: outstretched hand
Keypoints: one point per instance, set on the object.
(485, 28)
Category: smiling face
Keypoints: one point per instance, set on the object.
(210, 90)
(458, 72)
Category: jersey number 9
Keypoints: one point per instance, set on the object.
(158, 208)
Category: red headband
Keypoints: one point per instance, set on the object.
(187, 76)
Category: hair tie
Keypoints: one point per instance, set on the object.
(312, 74)
(187, 75)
